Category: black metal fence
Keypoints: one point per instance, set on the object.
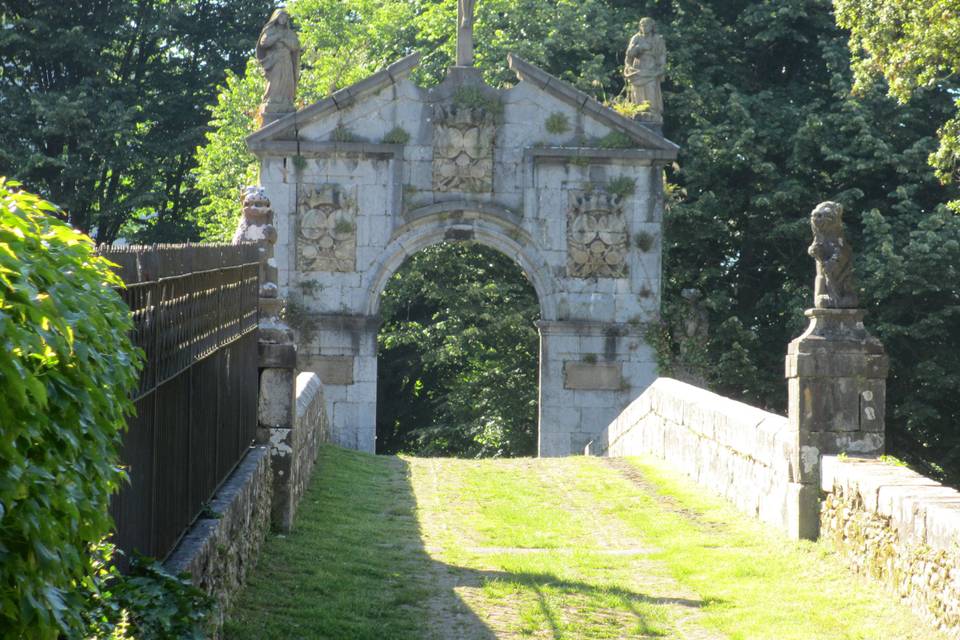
(195, 316)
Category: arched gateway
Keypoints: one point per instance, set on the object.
(568, 188)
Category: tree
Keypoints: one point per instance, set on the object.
(913, 44)
(760, 100)
(104, 102)
(458, 356)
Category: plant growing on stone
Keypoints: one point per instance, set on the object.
(474, 98)
(397, 135)
(622, 186)
(628, 108)
(342, 133)
(557, 123)
(645, 241)
(616, 140)
(67, 369)
(344, 226)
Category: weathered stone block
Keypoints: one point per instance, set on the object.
(592, 375)
(276, 408)
(333, 370)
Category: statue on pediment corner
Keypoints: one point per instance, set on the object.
(644, 69)
(278, 52)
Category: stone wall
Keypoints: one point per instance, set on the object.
(294, 451)
(899, 527)
(219, 551)
(740, 452)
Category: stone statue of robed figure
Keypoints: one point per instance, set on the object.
(278, 52)
(644, 69)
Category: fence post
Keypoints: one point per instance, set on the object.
(836, 372)
(276, 413)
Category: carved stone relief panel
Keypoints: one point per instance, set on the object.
(463, 149)
(326, 228)
(597, 238)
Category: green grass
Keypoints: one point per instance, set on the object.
(345, 570)
(757, 582)
(392, 548)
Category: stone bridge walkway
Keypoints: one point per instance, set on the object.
(391, 548)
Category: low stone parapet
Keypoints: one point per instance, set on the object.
(294, 450)
(899, 527)
(747, 455)
(219, 550)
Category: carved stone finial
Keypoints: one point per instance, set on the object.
(644, 69)
(834, 287)
(256, 225)
(465, 33)
(278, 52)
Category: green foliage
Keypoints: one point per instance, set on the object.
(629, 108)
(616, 140)
(759, 99)
(471, 97)
(913, 45)
(645, 241)
(343, 133)
(105, 104)
(397, 135)
(557, 123)
(224, 165)
(67, 369)
(621, 186)
(458, 356)
(146, 602)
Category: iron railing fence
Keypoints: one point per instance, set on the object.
(195, 317)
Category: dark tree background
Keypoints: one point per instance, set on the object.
(105, 101)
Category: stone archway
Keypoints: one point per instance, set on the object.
(461, 261)
(382, 169)
(464, 221)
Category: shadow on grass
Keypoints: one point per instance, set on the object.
(355, 568)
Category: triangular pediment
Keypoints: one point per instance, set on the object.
(588, 105)
(359, 102)
(284, 128)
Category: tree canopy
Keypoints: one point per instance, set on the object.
(105, 103)
(913, 45)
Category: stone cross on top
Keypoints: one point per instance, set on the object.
(465, 33)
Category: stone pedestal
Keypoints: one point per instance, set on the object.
(836, 379)
(836, 374)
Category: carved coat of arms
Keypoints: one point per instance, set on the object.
(463, 140)
(597, 238)
(326, 228)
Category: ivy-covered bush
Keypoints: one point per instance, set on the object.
(67, 369)
(144, 603)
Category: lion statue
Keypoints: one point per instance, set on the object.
(834, 285)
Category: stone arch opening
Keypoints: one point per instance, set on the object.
(454, 222)
(458, 360)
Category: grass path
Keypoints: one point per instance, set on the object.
(412, 548)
